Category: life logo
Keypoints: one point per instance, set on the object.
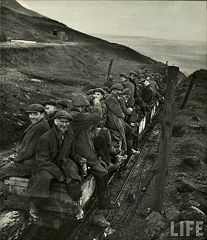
(187, 229)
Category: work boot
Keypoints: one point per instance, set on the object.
(135, 152)
(109, 205)
(100, 221)
(79, 213)
(33, 211)
(120, 159)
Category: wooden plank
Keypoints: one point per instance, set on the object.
(15, 183)
(164, 151)
(88, 189)
(19, 179)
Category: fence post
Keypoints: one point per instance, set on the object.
(164, 150)
(188, 91)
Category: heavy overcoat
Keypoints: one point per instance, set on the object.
(124, 106)
(53, 158)
(115, 118)
(24, 163)
(147, 94)
(82, 124)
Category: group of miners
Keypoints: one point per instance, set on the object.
(97, 135)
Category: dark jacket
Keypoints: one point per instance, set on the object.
(52, 150)
(124, 106)
(53, 157)
(50, 120)
(115, 117)
(113, 106)
(147, 94)
(131, 86)
(82, 124)
(28, 142)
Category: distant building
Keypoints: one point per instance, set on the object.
(61, 35)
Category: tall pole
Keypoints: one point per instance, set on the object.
(188, 91)
(109, 69)
(164, 150)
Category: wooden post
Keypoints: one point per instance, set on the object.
(164, 150)
(109, 69)
(188, 91)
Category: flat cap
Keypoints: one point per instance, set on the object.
(126, 91)
(80, 101)
(133, 73)
(106, 89)
(117, 86)
(50, 102)
(63, 104)
(63, 114)
(35, 108)
(99, 90)
(90, 92)
(123, 75)
(141, 76)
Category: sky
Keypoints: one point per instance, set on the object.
(174, 20)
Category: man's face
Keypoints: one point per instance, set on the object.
(62, 124)
(98, 95)
(50, 109)
(126, 97)
(132, 76)
(116, 92)
(123, 79)
(146, 83)
(35, 117)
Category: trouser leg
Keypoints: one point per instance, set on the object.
(101, 176)
(102, 149)
(102, 190)
(129, 137)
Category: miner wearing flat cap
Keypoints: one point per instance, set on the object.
(50, 111)
(115, 116)
(61, 105)
(56, 159)
(99, 93)
(82, 124)
(24, 162)
(124, 79)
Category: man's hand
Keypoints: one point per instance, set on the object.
(61, 179)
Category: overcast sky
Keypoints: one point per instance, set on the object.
(175, 20)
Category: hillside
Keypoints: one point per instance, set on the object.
(51, 68)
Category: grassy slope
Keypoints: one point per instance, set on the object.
(82, 60)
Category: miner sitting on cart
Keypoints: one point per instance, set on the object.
(56, 159)
(24, 162)
(82, 124)
(101, 135)
(115, 118)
